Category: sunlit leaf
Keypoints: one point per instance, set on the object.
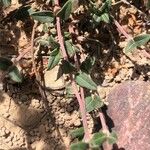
(93, 103)
(77, 133)
(98, 139)
(112, 138)
(54, 59)
(65, 11)
(5, 3)
(79, 146)
(105, 17)
(43, 16)
(137, 42)
(14, 74)
(5, 63)
(70, 49)
(85, 81)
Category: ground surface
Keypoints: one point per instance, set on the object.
(26, 122)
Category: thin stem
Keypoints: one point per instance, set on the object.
(38, 78)
(105, 130)
(60, 39)
(120, 28)
(74, 85)
(83, 112)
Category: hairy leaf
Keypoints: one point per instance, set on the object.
(43, 16)
(52, 42)
(105, 17)
(70, 49)
(54, 59)
(85, 81)
(77, 132)
(137, 42)
(5, 63)
(5, 3)
(65, 11)
(112, 138)
(79, 146)
(14, 74)
(98, 139)
(93, 103)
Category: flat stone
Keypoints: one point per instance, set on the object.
(129, 109)
(51, 79)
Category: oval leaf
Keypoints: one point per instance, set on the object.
(85, 81)
(93, 103)
(14, 74)
(137, 42)
(5, 63)
(77, 133)
(54, 59)
(79, 146)
(112, 138)
(43, 16)
(65, 11)
(98, 139)
(70, 49)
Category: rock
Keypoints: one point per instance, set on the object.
(129, 109)
(51, 79)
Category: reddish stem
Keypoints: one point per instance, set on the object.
(60, 39)
(74, 86)
(83, 112)
(120, 28)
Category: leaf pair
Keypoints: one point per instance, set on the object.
(48, 16)
(97, 140)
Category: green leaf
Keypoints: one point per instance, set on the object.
(137, 42)
(67, 67)
(65, 11)
(93, 103)
(85, 81)
(112, 138)
(79, 146)
(77, 133)
(14, 74)
(43, 16)
(70, 49)
(98, 139)
(52, 42)
(54, 59)
(69, 91)
(105, 17)
(87, 64)
(5, 63)
(5, 3)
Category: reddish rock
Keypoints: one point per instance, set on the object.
(129, 109)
